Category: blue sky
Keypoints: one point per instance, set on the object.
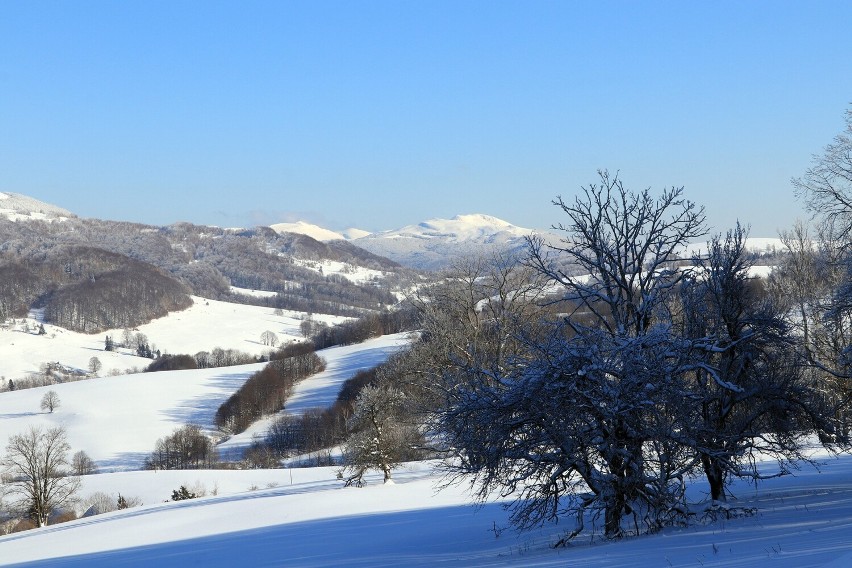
(381, 114)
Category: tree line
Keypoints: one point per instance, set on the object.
(266, 391)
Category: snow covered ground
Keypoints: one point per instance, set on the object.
(306, 518)
(205, 325)
(355, 274)
(268, 518)
(320, 390)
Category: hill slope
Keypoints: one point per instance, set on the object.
(16, 207)
(309, 520)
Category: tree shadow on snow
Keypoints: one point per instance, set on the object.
(458, 535)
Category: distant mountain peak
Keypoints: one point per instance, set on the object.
(436, 242)
(482, 219)
(17, 207)
(309, 229)
(319, 233)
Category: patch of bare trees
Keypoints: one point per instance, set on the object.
(266, 391)
(381, 437)
(186, 448)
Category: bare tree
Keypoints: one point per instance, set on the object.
(747, 394)
(469, 318)
(82, 464)
(50, 401)
(583, 418)
(380, 439)
(624, 247)
(95, 365)
(825, 295)
(127, 339)
(269, 338)
(826, 186)
(36, 463)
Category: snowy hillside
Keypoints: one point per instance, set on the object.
(317, 232)
(17, 207)
(433, 244)
(305, 228)
(207, 324)
(117, 420)
(353, 233)
(306, 518)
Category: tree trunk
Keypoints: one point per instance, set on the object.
(612, 516)
(715, 477)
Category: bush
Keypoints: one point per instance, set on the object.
(183, 494)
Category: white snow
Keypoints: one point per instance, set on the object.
(305, 518)
(205, 325)
(319, 233)
(353, 233)
(355, 274)
(461, 228)
(16, 207)
(253, 293)
(309, 229)
(436, 242)
(320, 390)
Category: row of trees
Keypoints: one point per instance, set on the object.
(315, 429)
(266, 391)
(365, 327)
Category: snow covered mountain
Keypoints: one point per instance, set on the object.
(429, 245)
(433, 244)
(16, 207)
(317, 232)
(309, 229)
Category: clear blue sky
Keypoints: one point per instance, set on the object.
(381, 114)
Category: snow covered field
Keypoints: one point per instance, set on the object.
(205, 325)
(305, 517)
(268, 518)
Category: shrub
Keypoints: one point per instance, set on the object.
(183, 494)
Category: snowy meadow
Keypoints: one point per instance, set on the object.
(305, 517)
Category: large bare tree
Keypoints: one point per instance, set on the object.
(36, 463)
(583, 419)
